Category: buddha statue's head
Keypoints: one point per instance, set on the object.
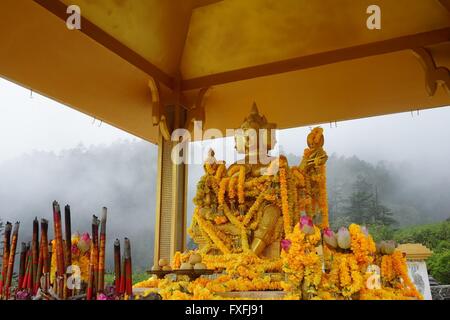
(256, 135)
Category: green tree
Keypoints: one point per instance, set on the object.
(379, 213)
(437, 238)
(360, 202)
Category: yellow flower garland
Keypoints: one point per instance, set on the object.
(209, 230)
(401, 269)
(323, 198)
(231, 187)
(254, 208)
(241, 195)
(363, 247)
(284, 201)
(222, 188)
(220, 171)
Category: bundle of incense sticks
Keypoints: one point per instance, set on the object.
(117, 264)
(34, 251)
(12, 256)
(68, 244)
(60, 271)
(22, 264)
(6, 249)
(126, 281)
(90, 284)
(43, 268)
(26, 282)
(128, 272)
(94, 258)
(101, 259)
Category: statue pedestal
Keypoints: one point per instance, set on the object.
(254, 295)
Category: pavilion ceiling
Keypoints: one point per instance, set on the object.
(303, 62)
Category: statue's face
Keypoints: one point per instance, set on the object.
(253, 141)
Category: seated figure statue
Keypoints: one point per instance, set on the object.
(249, 206)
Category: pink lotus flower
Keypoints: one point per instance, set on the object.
(75, 250)
(23, 295)
(306, 225)
(85, 242)
(343, 238)
(285, 244)
(330, 237)
(102, 296)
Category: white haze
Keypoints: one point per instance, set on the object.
(416, 143)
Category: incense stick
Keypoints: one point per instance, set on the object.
(6, 249)
(12, 256)
(95, 242)
(59, 248)
(45, 255)
(34, 250)
(22, 264)
(101, 259)
(68, 244)
(117, 264)
(90, 289)
(128, 276)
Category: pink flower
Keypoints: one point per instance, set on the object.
(75, 250)
(343, 238)
(306, 225)
(330, 237)
(85, 242)
(23, 295)
(285, 244)
(102, 296)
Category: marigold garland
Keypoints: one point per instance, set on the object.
(232, 188)
(222, 188)
(387, 271)
(323, 198)
(241, 195)
(254, 208)
(220, 171)
(363, 247)
(401, 269)
(284, 200)
(209, 230)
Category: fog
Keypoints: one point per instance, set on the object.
(52, 152)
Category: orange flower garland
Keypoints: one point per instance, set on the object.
(363, 247)
(209, 230)
(222, 188)
(387, 271)
(241, 195)
(284, 201)
(323, 198)
(231, 187)
(220, 171)
(400, 268)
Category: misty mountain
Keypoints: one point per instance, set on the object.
(122, 177)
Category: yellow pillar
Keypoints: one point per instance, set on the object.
(170, 227)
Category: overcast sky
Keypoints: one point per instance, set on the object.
(38, 123)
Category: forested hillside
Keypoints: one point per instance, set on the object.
(122, 177)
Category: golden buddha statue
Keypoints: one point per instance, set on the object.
(252, 204)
